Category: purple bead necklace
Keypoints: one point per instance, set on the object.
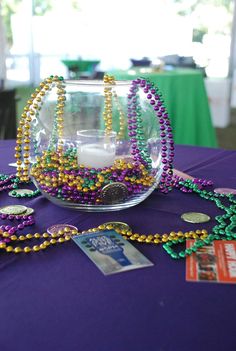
(136, 134)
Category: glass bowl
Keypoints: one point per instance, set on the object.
(99, 146)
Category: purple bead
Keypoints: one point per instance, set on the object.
(12, 231)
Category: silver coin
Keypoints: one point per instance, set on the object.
(54, 229)
(13, 209)
(195, 217)
(16, 192)
(114, 193)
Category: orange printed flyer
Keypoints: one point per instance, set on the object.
(212, 263)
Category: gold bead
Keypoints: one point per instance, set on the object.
(29, 236)
(132, 237)
(17, 249)
(2, 245)
(36, 248)
(13, 237)
(27, 249)
(5, 234)
(156, 241)
(37, 235)
(9, 249)
(53, 241)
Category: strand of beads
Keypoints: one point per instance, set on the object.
(156, 238)
(201, 183)
(11, 182)
(109, 91)
(24, 193)
(221, 231)
(25, 222)
(30, 111)
(56, 238)
(134, 116)
(66, 234)
(6, 179)
(107, 114)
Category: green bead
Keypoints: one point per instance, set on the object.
(188, 251)
(174, 255)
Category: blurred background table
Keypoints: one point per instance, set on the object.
(78, 68)
(186, 101)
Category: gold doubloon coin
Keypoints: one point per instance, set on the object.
(195, 217)
(118, 225)
(13, 209)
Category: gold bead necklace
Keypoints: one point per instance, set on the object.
(65, 235)
(109, 91)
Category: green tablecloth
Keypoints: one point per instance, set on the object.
(186, 100)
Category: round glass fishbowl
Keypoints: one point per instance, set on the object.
(99, 145)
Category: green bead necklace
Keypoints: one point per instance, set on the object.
(224, 230)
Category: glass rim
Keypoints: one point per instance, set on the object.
(97, 83)
(98, 133)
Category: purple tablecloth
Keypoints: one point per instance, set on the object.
(58, 300)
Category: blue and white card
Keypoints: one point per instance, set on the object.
(111, 252)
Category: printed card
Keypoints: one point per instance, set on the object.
(212, 263)
(111, 252)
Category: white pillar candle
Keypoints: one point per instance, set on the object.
(96, 155)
